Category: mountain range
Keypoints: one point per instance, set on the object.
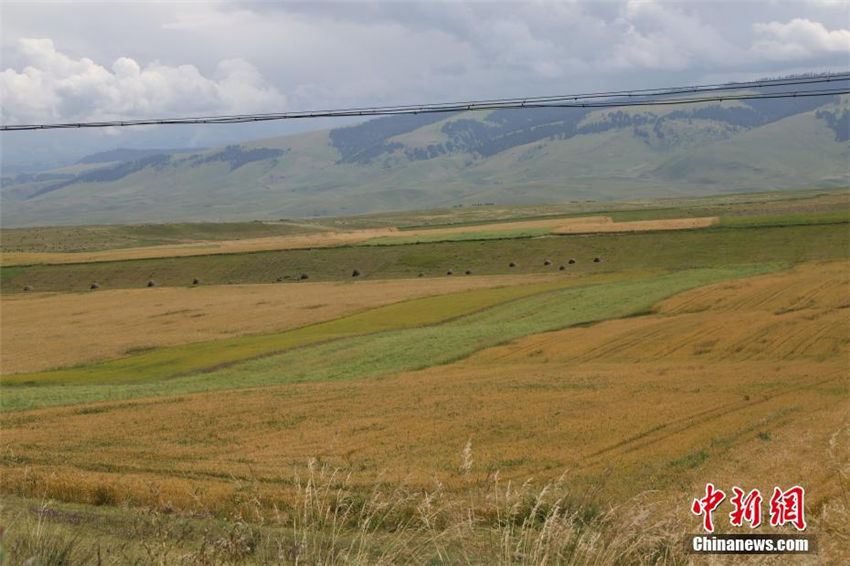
(522, 156)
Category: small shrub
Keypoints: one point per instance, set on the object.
(94, 286)
(103, 495)
(512, 264)
(596, 260)
(468, 272)
(421, 275)
(355, 273)
(562, 267)
(27, 288)
(196, 281)
(572, 261)
(547, 262)
(450, 272)
(151, 283)
(304, 276)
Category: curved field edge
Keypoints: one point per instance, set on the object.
(172, 361)
(391, 351)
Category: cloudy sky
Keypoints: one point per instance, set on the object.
(79, 61)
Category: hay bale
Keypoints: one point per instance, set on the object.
(355, 273)
(596, 260)
(572, 261)
(547, 262)
(196, 281)
(151, 283)
(562, 267)
(304, 276)
(512, 264)
(468, 272)
(94, 286)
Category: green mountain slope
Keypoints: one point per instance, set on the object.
(414, 162)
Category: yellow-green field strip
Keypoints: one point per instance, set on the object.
(180, 360)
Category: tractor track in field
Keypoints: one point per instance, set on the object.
(691, 421)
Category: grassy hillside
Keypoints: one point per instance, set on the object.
(503, 157)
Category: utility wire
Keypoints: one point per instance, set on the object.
(611, 99)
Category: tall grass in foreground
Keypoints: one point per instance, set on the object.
(328, 520)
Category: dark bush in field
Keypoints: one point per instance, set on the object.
(151, 283)
(512, 264)
(27, 288)
(596, 260)
(196, 281)
(304, 276)
(468, 272)
(94, 286)
(572, 261)
(562, 267)
(547, 262)
(450, 272)
(355, 273)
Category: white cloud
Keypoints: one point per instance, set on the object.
(799, 39)
(665, 37)
(54, 86)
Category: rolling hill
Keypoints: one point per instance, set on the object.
(442, 160)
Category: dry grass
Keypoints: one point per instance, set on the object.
(325, 239)
(41, 330)
(637, 225)
(327, 520)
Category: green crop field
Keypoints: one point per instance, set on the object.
(680, 250)
(794, 219)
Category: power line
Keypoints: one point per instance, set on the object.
(611, 99)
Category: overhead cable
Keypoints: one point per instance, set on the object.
(611, 99)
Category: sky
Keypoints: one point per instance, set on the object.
(84, 61)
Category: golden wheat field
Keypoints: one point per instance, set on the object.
(45, 330)
(749, 376)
